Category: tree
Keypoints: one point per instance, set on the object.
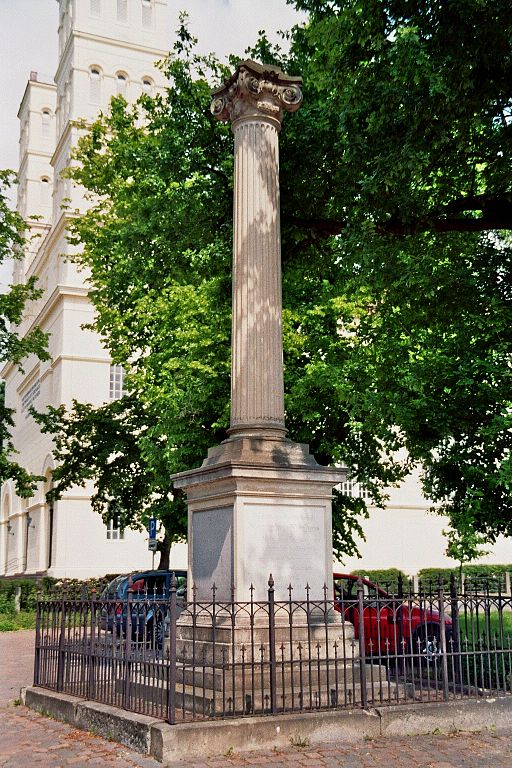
(464, 543)
(13, 347)
(396, 285)
(106, 444)
(415, 149)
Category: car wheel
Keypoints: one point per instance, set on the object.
(427, 643)
(155, 633)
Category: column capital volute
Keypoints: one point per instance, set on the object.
(257, 91)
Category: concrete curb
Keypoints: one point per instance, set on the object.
(168, 743)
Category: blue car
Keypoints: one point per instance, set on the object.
(149, 600)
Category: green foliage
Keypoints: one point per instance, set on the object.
(387, 578)
(28, 595)
(13, 347)
(479, 575)
(17, 621)
(402, 151)
(106, 445)
(396, 201)
(464, 543)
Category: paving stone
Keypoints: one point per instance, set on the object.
(29, 739)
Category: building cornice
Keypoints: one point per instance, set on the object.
(158, 53)
(56, 230)
(58, 293)
(62, 139)
(31, 84)
(35, 153)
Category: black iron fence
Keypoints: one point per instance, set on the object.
(162, 656)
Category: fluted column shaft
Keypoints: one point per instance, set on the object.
(257, 393)
(253, 100)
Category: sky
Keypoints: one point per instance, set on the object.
(28, 42)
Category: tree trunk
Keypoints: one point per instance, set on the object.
(164, 547)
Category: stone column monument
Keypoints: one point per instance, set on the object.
(260, 503)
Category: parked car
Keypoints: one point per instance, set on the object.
(391, 625)
(149, 599)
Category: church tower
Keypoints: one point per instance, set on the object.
(106, 47)
(35, 175)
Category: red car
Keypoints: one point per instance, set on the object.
(391, 624)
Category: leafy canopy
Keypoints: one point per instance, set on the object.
(396, 207)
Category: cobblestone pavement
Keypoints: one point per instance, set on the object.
(28, 739)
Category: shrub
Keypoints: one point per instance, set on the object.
(388, 578)
(475, 575)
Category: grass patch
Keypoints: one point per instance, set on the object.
(473, 627)
(11, 622)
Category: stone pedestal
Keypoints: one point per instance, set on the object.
(259, 506)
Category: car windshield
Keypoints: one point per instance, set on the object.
(150, 585)
(112, 590)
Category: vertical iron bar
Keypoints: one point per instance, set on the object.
(272, 645)
(61, 652)
(362, 650)
(444, 660)
(171, 692)
(90, 687)
(128, 645)
(37, 652)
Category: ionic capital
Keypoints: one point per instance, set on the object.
(257, 91)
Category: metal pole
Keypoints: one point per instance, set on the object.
(444, 659)
(37, 654)
(272, 645)
(128, 645)
(362, 649)
(61, 652)
(171, 692)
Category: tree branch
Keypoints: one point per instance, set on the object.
(496, 215)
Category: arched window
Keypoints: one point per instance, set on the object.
(95, 6)
(122, 10)
(46, 117)
(121, 83)
(45, 191)
(94, 85)
(147, 13)
(147, 85)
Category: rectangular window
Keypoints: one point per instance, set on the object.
(94, 86)
(46, 123)
(122, 10)
(354, 490)
(147, 13)
(114, 532)
(95, 6)
(117, 389)
(30, 396)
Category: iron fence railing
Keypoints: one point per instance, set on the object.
(175, 660)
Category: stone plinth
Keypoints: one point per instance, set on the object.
(259, 506)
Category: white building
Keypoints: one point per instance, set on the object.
(108, 47)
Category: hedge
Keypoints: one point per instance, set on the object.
(387, 578)
(29, 590)
(478, 575)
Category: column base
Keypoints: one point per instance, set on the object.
(230, 670)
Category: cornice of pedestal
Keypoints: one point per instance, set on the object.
(259, 465)
(257, 91)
